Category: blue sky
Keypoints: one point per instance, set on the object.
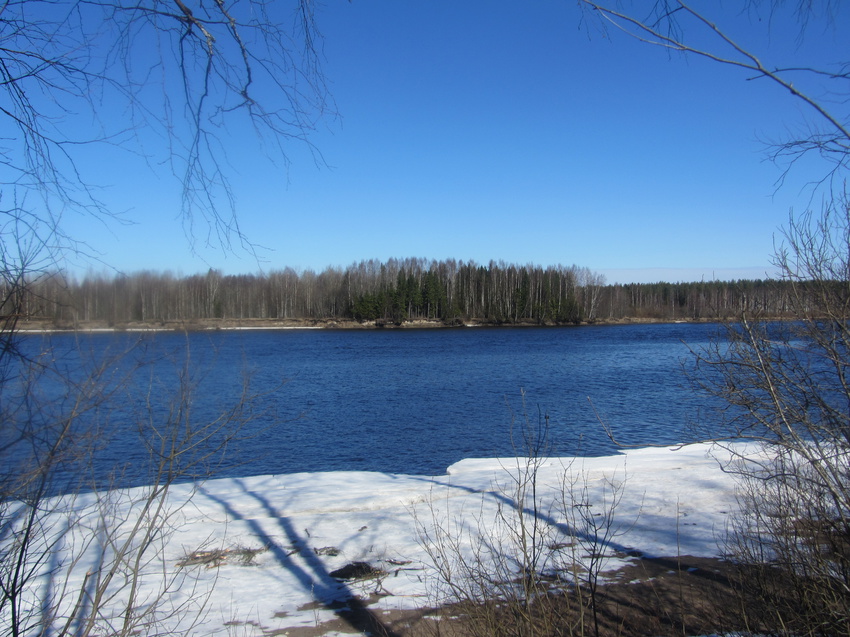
(500, 130)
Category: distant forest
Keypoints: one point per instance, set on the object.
(390, 292)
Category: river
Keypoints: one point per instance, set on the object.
(399, 401)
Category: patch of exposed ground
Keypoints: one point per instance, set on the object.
(670, 596)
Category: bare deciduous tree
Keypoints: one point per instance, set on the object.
(787, 388)
(175, 74)
(78, 557)
(679, 27)
(785, 385)
(163, 79)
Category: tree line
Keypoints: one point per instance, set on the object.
(390, 291)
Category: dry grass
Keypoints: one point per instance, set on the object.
(213, 558)
(673, 596)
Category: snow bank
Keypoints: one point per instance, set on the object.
(299, 528)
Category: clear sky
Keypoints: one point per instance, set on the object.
(486, 129)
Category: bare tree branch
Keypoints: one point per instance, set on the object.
(830, 136)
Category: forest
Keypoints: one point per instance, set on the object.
(387, 293)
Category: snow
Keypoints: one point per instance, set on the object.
(304, 526)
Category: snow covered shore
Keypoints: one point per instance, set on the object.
(259, 552)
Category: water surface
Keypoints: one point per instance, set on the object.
(402, 401)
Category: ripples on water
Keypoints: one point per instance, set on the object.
(413, 401)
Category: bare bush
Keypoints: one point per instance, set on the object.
(786, 387)
(528, 560)
(78, 557)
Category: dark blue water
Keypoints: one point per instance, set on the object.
(398, 401)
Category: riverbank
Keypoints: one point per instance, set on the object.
(354, 552)
(197, 325)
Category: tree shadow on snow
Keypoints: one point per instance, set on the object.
(313, 576)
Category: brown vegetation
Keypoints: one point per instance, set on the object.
(665, 597)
